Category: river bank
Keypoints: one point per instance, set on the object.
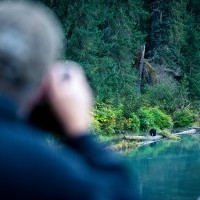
(127, 141)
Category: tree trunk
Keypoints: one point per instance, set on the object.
(141, 67)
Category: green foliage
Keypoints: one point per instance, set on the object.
(163, 94)
(154, 118)
(168, 95)
(132, 123)
(108, 120)
(161, 119)
(160, 23)
(146, 119)
(104, 118)
(104, 36)
(183, 118)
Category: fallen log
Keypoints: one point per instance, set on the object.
(138, 141)
(142, 138)
(196, 127)
(169, 135)
(191, 131)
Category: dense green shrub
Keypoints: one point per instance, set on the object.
(132, 123)
(183, 118)
(104, 119)
(160, 94)
(146, 119)
(168, 95)
(161, 119)
(154, 118)
(107, 119)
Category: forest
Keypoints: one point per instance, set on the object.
(142, 60)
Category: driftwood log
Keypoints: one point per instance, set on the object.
(197, 127)
(158, 137)
(191, 131)
(131, 141)
(143, 138)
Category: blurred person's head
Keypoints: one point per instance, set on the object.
(30, 41)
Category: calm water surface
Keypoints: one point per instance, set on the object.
(169, 170)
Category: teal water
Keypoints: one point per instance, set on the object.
(169, 170)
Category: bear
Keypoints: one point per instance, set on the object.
(152, 132)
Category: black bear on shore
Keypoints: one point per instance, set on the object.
(152, 132)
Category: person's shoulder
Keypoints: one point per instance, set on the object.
(29, 144)
(18, 137)
(18, 130)
(35, 165)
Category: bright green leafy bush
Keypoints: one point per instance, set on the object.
(104, 119)
(132, 123)
(183, 118)
(108, 120)
(161, 119)
(146, 119)
(154, 118)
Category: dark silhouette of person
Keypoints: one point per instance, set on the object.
(30, 168)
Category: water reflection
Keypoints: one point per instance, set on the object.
(169, 170)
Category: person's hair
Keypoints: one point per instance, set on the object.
(30, 40)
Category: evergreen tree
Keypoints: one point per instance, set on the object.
(105, 36)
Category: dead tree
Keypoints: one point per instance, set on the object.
(141, 67)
